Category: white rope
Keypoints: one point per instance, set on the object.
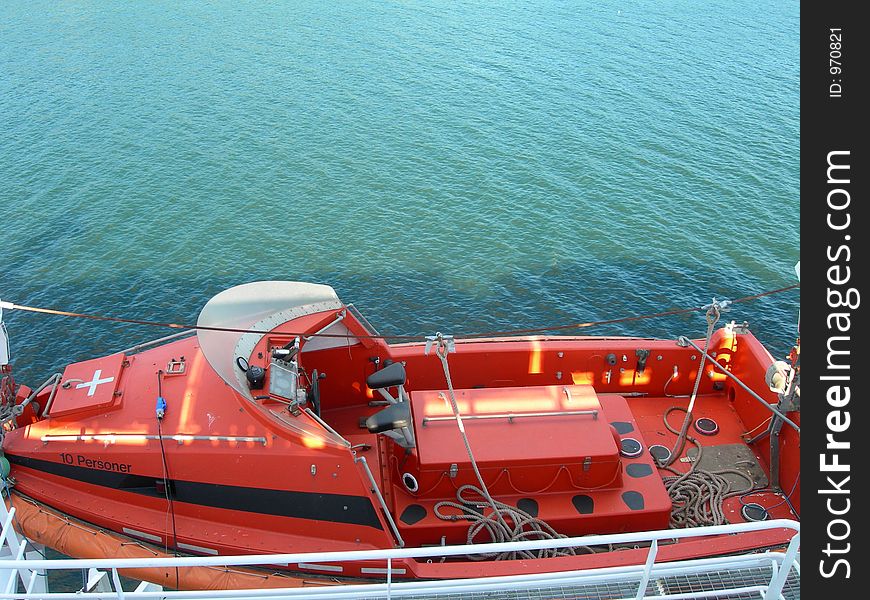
(525, 526)
(713, 314)
(698, 495)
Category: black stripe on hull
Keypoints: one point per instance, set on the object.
(334, 508)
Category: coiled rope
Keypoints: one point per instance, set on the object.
(525, 526)
(698, 495)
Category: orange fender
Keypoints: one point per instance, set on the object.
(78, 539)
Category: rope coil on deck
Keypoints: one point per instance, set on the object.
(698, 495)
(525, 526)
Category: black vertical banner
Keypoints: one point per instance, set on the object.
(834, 228)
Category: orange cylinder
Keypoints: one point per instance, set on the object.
(78, 539)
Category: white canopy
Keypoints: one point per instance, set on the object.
(260, 306)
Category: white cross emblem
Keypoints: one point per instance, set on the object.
(92, 384)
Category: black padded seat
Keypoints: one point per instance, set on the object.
(389, 376)
(395, 416)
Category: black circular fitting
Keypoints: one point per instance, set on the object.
(706, 426)
(410, 483)
(256, 377)
(661, 454)
(630, 447)
(754, 512)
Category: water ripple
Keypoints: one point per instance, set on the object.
(460, 168)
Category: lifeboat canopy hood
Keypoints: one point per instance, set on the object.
(260, 306)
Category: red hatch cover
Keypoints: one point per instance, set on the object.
(92, 385)
(557, 438)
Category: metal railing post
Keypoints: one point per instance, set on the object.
(647, 569)
(642, 572)
(389, 578)
(777, 582)
(117, 580)
(16, 571)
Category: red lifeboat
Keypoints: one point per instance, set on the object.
(286, 424)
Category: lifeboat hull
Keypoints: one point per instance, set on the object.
(166, 447)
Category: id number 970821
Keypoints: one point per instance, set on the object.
(835, 62)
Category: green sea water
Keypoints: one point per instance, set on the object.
(456, 166)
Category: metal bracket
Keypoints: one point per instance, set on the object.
(734, 328)
(721, 305)
(175, 367)
(439, 339)
(294, 408)
(790, 402)
(642, 357)
(775, 428)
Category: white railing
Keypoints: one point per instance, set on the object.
(17, 568)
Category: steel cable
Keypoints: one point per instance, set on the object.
(508, 332)
(712, 316)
